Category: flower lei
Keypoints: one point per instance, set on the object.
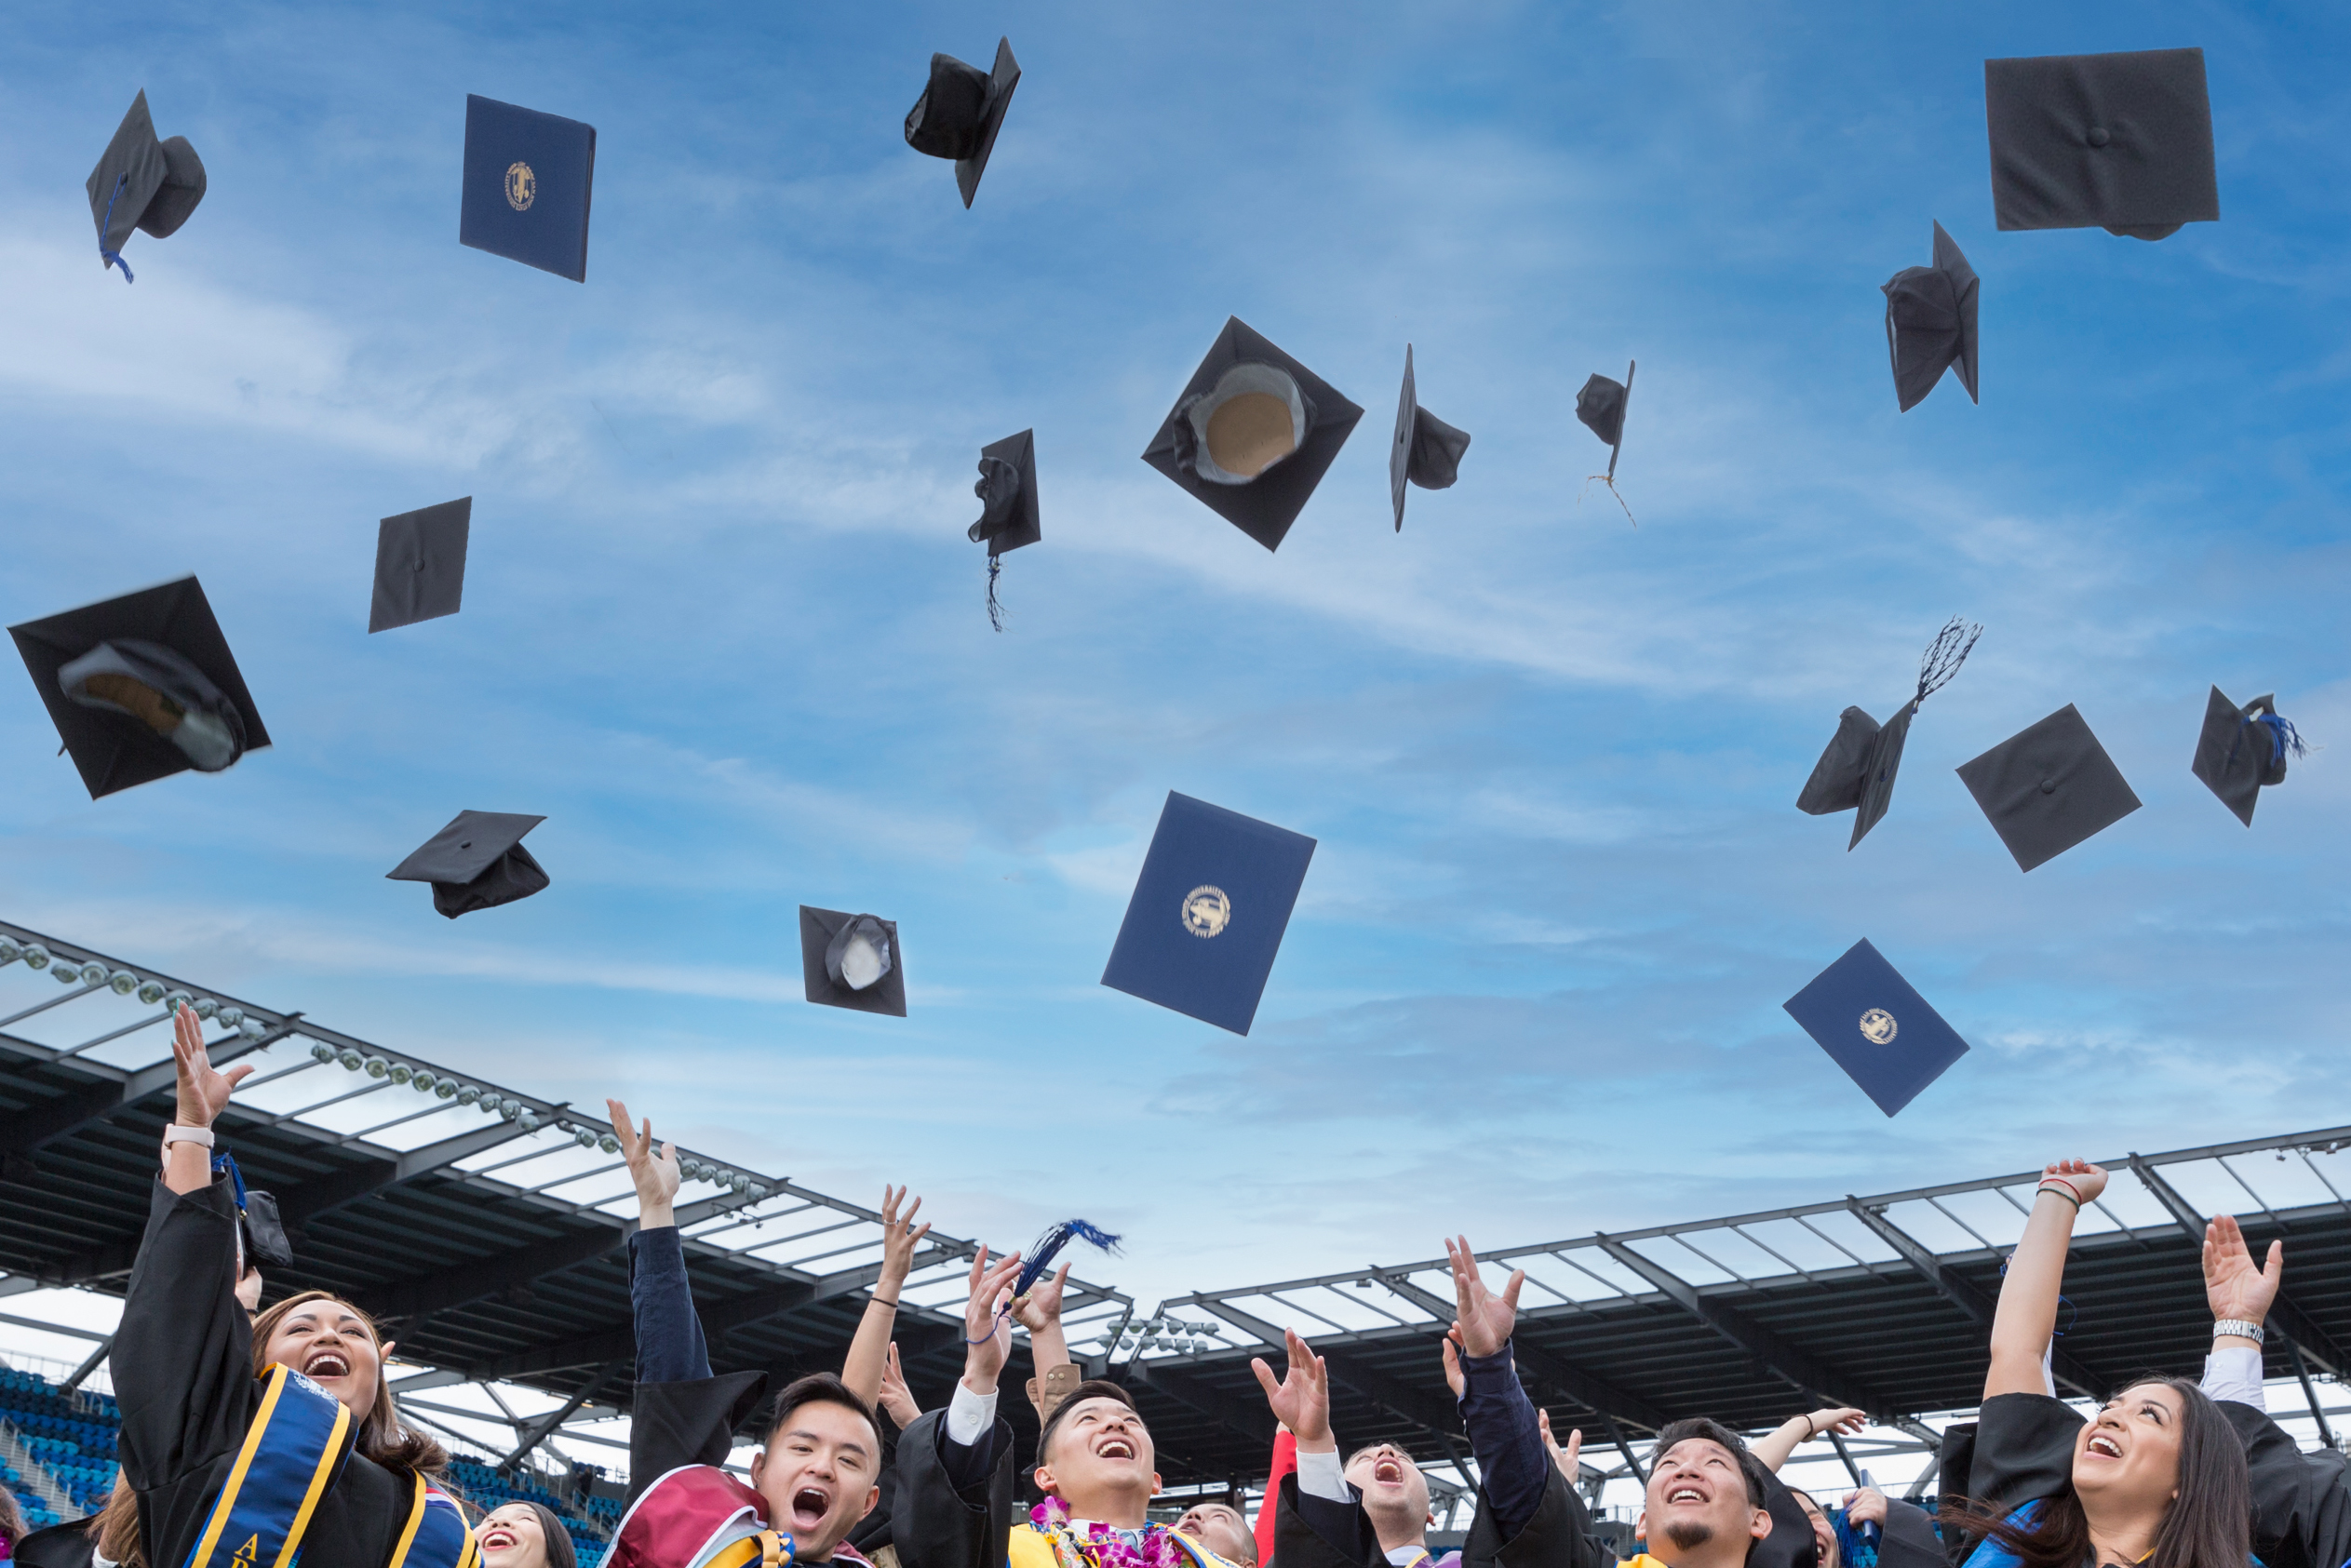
(1102, 1547)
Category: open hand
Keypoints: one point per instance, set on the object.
(654, 1172)
(203, 1092)
(2232, 1285)
(1042, 1306)
(897, 1400)
(1842, 1419)
(988, 1333)
(1484, 1319)
(1567, 1458)
(2087, 1180)
(1302, 1400)
(899, 1234)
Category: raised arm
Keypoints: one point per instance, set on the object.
(670, 1347)
(896, 1400)
(2239, 1296)
(863, 1370)
(1040, 1313)
(1505, 1437)
(1774, 1447)
(2027, 1314)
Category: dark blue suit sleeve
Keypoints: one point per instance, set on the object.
(669, 1344)
(1504, 1438)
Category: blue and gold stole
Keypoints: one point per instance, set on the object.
(293, 1451)
(436, 1536)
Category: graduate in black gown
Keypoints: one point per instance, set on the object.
(1906, 1532)
(2302, 1501)
(189, 1371)
(820, 1446)
(2156, 1477)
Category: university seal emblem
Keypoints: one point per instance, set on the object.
(1206, 911)
(1878, 1027)
(522, 186)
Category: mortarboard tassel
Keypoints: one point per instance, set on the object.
(1944, 657)
(114, 257)
(995, 610)
(1049, 1247)
(1609, 480)
(2284, 738)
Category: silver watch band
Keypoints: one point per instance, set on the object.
(2238, 1327)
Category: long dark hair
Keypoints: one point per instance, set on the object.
(2207, 1525)
(382, 1437)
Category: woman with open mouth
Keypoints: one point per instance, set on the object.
(2156, 1477)
(280, 1430)
(524, 1535)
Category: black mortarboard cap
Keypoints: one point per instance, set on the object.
(1601, 404)
(1252, 433)
(960, 112)
(2117, 141)
(420, 565)
(1856, 771)
(1007, 489)
(477, 862)
(1930, 323)
(1877, 1027)
(852, 961)
(2048, 787)
(2241, 749)
(1428, 451)
(1208, 912)
(141, 687)
(528, 180)
(143, 184)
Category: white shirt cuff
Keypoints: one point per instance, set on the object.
(1322, 1475)
(2234, 1372)
(968, 1415)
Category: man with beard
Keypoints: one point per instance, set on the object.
(820, 1447)
(1095, 1466)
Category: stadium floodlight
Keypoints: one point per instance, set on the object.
(422, 1079)
(321, 1053)
(378, 1067)
(90, 973)
(9, 951)
(229, 1017)
(445, 1090)
(468, 1094)
(527, 1121)
(123, 982)
(351, 1059)
(401, 1072)
(510, 1108)
(151, 991)
(583, 1136)
(251, 1028)
(205, 1007)
(608, 1144)
(174, 1001)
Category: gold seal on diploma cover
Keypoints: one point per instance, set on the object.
(521, 187)
(1877, 1026)
(1206, 910)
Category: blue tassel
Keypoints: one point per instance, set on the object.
(1049, 1247)
(227, 1161)
(2284, 738)
(114, 257)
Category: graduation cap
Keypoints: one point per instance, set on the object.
(1874, 1027)
(2241, 749)
(2048, 787)
(260, 1233)
(1252, 433)
(1428, 451)
(420, 565)
(477, 862)
(1930, 323)
(142, 183)
(1007, 489)
(1208, 912)
(2117, 141)
(527, 177)
(1855, 773)
(1601, 404)
(141, 687)
(852, 961)
(960, 112)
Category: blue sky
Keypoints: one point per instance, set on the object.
(723, 628)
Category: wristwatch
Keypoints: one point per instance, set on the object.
(2239, 1327)
(175, 1134)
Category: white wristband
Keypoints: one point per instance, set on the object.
(177, 1134)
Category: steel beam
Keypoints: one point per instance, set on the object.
(1593, 1393)
(478, 1278)
(1954, 1288)
(45, 1121)
(1235, 1415)
(2287, 1318)
(313, 1198)
(537, 1431)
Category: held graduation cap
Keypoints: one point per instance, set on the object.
(477, 862)
(852, 961)
(2242, 749)
(1427, 452)
(1930, 323)
(142, 183)
(1007, 490)
(1208, 912)
(2117, 141)
(1876, 1028)
(1252, 433)
(420, 565)
(141, 687)
(528, 178)
(1855, 773)
(1602, 406)
(2048, 787)
(960, 112)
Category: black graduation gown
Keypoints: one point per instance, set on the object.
(1558, 1536)
(183, 1374)
(950, 1512)
(688, 1423)
(68, 1545)
(2024, 1450)
(1908, 1538)
(2302, 1502)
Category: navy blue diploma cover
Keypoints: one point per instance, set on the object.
(527, 177)
(1207, 919)
(1874, 1027)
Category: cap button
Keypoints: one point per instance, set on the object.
(469, 843)
(2048, 786)
(2100, 136)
